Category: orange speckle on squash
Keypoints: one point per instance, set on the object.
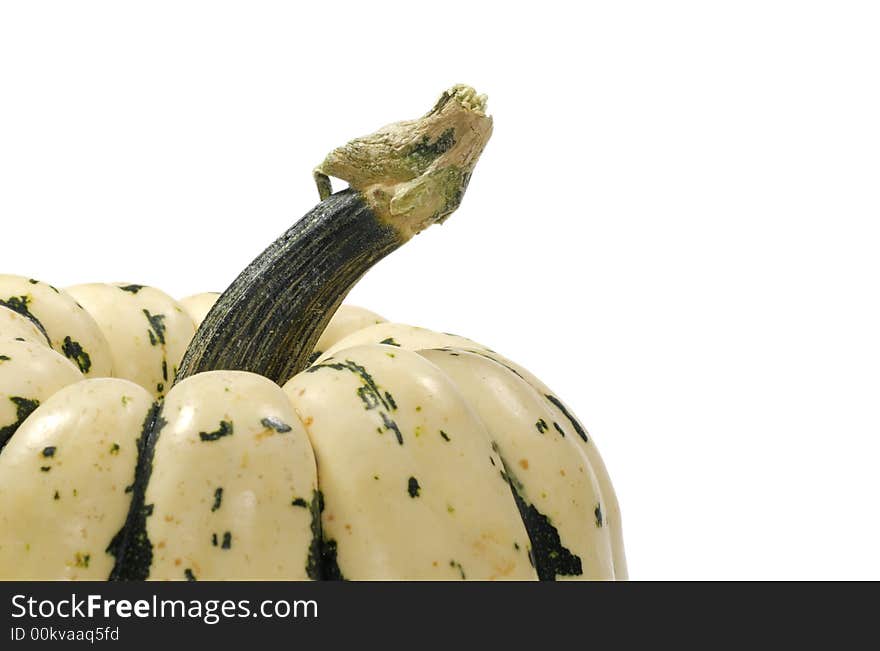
(161, 544)
(502, 569)
(308, 421)
(562, 472)
(524, 463)
(177, 561)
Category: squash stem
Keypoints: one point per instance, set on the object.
(402, 179)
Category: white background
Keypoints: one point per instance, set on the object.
(675, 224)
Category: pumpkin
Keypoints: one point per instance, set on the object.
(270, 432)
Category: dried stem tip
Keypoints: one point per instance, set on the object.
(414, 173)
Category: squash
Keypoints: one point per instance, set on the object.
(300, 439)
(147, 331)
(63, 323)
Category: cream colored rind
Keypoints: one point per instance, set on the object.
(416, 338)
(16, 326)
(30, 373)
(198, 306)
(63, 481)
(147, 330)
(547, 466)
(236, 433)
(611, 510)
(412, 487)
(502, 401)
(346, 320)
(403, 335)
(70, 329)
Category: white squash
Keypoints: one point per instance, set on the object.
(64, 323)
(233, 483)
(147, 330)
(65, 481)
